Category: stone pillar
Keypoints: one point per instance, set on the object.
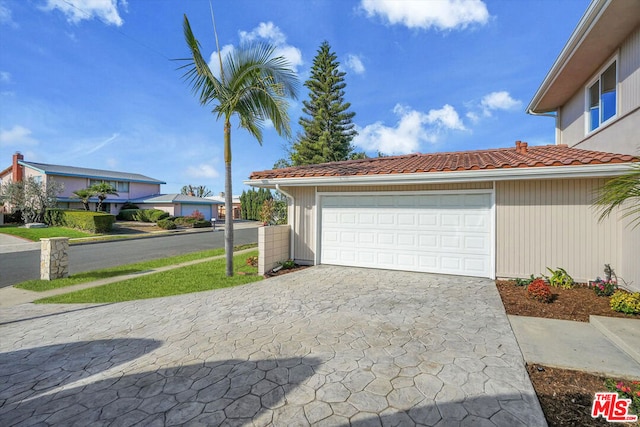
(54, 258)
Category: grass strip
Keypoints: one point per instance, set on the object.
(90, 276)
(195, 278)
(35, 234)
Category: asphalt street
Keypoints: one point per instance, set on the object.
(20, 266)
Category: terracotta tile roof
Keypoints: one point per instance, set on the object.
(520, 156)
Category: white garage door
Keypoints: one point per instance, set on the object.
(205, 210)
(438, 233)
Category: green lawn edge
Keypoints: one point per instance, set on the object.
(38, 285)
(195, 278)
(35, 234)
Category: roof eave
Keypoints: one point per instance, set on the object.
(503, 174)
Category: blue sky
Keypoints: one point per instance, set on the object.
(93, 82)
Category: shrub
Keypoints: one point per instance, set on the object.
(539, 291)
(166, 224)
(286, 265)
(629, 390)
(560, 278)
(156, 215)
(197, 215)
(524, 282)
(129, 205)
(201, 223)
(93, 222)
(625, 302)
(128, 214)
(603, 288)
(184, 221)
(54, 217)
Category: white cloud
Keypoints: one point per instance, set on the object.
(499, 101)
(264, 32)
(354, 63)
(5, 16)
(413, 128)
(5, 77)
(17, 135)
(272, 34)
(78, 10)
(202, 170)
(419, 14)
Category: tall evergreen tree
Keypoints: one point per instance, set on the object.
(328, 129)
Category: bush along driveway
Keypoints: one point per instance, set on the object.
(326, 345)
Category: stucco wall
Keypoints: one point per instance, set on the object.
(552, 223)
(273, 247)
(138, 189)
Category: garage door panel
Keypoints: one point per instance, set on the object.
(447, 233)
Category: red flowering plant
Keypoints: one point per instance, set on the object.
(603, 288)
(629, 390)
(540, 291)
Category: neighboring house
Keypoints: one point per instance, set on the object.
(140, 189)
(508, 212)
(180, 205)
(237, 211)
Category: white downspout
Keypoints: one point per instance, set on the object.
(291, 220)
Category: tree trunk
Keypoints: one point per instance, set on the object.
(228, 202)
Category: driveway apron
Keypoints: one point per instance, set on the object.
(323, 346)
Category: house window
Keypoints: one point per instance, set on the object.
(123, 187)
(601, 98)
(117, 185)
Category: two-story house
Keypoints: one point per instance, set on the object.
(507, 212)
(593, 88)
(131, 187)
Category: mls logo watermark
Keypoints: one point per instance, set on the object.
(612, 408)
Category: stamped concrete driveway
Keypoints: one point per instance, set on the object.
(323, 346)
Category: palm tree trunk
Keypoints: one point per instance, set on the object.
(228, 202)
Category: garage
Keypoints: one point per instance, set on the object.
(205, 210)
(441, 232)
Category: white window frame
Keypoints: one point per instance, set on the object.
(596, 78)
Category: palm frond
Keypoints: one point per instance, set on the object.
(622, 192)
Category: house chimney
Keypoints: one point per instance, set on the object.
(518, 144)
(16, 168)
(523, 147)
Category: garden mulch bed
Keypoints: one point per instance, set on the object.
(565, 395)
(568, 304)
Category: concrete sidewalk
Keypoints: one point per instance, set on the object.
(9, 243)
(606, 345)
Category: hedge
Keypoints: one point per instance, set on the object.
(128, 214)
(167, 224)
(93, 222)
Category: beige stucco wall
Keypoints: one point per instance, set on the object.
(621, 135)
(551, 223)
(273, 247)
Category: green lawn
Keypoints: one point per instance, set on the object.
(196, 278)
(90, 276)
(36, 234)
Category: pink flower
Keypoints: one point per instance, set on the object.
(619, 385)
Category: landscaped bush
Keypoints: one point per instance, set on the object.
(156, 215)
(539, 291)
(128, 214)
(93, 222)
(524, 282)
(625, 302)
(201, 223)
(560, 278)
(629, 390)
(167, 224)
(129, 205)
(603, 288)
(54, 217)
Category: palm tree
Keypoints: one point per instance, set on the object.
(615, 192)
(102, 190)
(84, 195)
(253, 85)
